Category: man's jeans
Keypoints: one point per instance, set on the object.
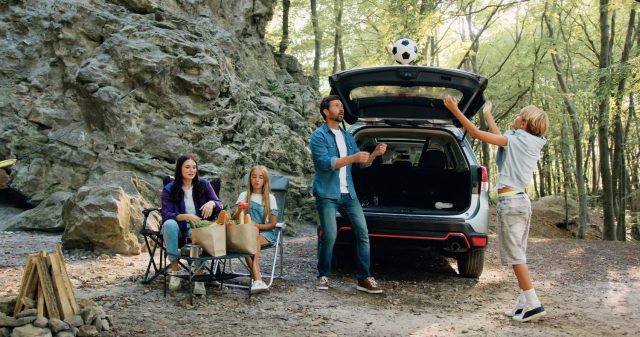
(352, 211)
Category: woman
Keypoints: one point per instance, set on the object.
(263, 210)
(188, 199)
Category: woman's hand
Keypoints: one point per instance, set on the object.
(190, 218)
(488, 106)
(207, 209)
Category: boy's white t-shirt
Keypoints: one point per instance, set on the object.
(342, 150)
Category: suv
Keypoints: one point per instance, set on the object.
(428, 190)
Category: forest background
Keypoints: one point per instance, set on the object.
(577, 59)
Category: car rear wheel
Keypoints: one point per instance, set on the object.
(471, 263)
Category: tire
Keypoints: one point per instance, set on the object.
(471, 263)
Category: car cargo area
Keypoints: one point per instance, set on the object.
(423, 170)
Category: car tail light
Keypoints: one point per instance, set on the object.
(484, 185)
(479, 241)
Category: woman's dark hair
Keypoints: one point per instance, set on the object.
(176, 193)
(326, 102)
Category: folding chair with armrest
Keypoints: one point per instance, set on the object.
(279, 188)
(154, 240)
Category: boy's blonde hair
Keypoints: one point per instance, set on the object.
(266, 190)
(537, 120)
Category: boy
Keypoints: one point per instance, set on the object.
(517, 155)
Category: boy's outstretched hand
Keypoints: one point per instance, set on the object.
(451, 103)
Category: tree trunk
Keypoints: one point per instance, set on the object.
(284, 42)
(609, 231)
(317, 34)
(581, 185)
(619, 167)
(338, 55)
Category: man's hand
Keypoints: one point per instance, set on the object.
(360, 157)
(192, 218)
(380, 149)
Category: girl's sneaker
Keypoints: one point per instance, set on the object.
(258, 287)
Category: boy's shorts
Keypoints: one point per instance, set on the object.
(513, 221)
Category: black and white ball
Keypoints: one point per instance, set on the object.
(404, 51)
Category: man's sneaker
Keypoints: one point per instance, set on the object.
(369, 285)
(322, 283)
(174, 281)
(258, 286)
(529, 314)
(198, 289)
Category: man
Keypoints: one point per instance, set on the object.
(334, 151)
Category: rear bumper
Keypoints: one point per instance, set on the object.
(448, 233)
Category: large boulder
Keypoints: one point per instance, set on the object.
(45, 217)
(96, 86)
(106, 214)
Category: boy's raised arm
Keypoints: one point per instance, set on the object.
(488, 117)
(496, 139)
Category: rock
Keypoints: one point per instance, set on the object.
(93, 221)
(65, 334)
(70, 114)
(30, 331)
(45, 217)
(7, 304)
(75, 320)
(7, 321)
(25, 320)
(40, 322)
(88, 314)
(27, 312)
(5, 332)
(87, 331)
(98, 323)
(57, 325)
(85, 302)
(105, 325)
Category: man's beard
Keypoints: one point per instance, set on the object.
(338, 118)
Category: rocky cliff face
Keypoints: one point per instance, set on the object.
(98, 86)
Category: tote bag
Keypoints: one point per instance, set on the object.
(212, 238)
(242, 238)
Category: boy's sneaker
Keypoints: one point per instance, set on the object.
(369, 285)
(322, 283)
(258, 287)
(529, 314)
(198, 289)
(174, 281)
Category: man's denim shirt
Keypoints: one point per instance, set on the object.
(324, 151)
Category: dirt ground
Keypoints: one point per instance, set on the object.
(589, 288)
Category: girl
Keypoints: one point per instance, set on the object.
(187, 199)
(263, 210)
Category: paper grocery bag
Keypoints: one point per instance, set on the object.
(212, 238)
(242, 238)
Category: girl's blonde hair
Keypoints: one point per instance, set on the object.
(537, 120)
(266, 190)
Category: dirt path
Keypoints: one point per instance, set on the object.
(589, 288)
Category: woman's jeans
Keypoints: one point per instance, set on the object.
(171, 233)
(352, 211)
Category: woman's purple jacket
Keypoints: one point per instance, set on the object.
(170, 209)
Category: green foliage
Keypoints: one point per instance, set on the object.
(276, 88)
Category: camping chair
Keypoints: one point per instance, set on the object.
(279, 188)
(153, 237)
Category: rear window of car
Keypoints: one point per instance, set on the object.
(403, 91)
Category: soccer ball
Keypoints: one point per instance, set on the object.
(404, 51)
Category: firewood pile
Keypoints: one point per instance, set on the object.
(46, 302)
